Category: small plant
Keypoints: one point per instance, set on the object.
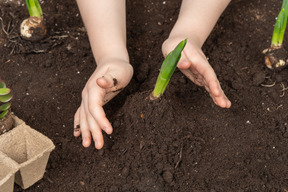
(5, 98)
(276, 55)
(33, 28)
(167, 69)
(6, 121)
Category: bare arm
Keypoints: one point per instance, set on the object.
(105, 22)
(197, 18)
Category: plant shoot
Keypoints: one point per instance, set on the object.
(5, 98)
(33, 28)
(276, 55)
(167, 69)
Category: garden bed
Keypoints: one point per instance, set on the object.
(196, 146)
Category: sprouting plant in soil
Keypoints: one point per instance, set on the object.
(167, 69)
(5, 104)
(33, 28)
(276, 55)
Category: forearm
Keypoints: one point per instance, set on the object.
(105, 22)
(197, 19)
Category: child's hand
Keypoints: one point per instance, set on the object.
(195, 66)
(107, 81)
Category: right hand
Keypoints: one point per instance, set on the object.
(105, 83)
(194, 65)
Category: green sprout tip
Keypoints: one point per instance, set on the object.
(167, 69)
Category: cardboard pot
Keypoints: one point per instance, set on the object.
(29, 149)
(7, 173)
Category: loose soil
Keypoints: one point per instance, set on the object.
(182, 142)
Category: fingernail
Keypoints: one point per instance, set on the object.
(106, 129)
(76, 129)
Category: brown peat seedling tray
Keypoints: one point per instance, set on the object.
(29, 149)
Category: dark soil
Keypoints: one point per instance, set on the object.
(182, 142)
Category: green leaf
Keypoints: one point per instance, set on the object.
(34, 8)
(5, 106)
(280, 26)
(2, 84)
(6, 98)
(167, 69)
(4, 91)
(3, 114)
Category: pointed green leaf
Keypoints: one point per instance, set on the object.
(4, 91)
(280, 26)
(2, 84)
(3, 114)
(5, 98)
(5, 106)
(34, 8)
(167, 69)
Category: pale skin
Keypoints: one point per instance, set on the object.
(105, 22)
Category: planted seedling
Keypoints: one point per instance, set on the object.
(167, 69)
(276, 55)
(6, 122)
(33, 28)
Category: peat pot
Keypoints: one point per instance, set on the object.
(29, 150)
(7, 173)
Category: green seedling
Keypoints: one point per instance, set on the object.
(276, 55)
(5, 98)
(33, 28)
(167, 69)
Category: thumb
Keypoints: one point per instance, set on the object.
(107, 81)
(184, 64)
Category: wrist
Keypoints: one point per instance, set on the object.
(112, 59)
(192, 38)
(190, 29)
(111, 55)
(197, 19)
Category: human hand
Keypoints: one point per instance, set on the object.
(195, 66)
(105, 83)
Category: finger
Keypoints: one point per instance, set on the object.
(184, 64)
(220, 98)
(200, 65)
(190, 76)
(106, 81)
(96, 110)
(92, 126)
(85, 131)
(222, 102)
(77, 132)
(110, 95)
(96, 132)
(198, 62)
(110, 81)
(214, 87)
(209, 78)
